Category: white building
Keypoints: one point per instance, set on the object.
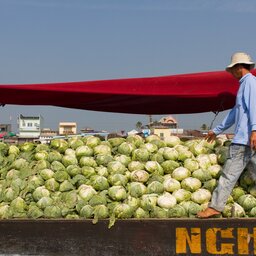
(67, 128)
(29, 126)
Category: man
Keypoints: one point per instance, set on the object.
(243, 146)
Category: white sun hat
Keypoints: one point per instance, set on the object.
(240, 58)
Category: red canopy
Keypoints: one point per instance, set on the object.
(176, 94)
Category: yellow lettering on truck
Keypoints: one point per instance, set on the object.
(243, 239)
(211, 241)
(193, 241)
(218, 241)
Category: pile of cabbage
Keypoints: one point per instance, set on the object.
(118, 178)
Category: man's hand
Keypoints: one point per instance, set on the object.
(253, 140)
(211, 136)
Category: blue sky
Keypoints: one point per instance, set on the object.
(82, 40)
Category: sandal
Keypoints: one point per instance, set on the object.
(208, 213)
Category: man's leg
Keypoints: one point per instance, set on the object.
(251, 167)
(238, 158)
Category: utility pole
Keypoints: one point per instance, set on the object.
(150, 119)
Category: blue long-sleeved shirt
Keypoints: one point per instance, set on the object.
(243, 114)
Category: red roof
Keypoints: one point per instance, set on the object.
(176, 94)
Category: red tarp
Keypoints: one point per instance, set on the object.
(176, 94)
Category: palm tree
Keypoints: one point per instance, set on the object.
(139, 125)
(204, 127)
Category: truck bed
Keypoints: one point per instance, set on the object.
(140, 237)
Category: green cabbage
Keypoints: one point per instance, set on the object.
(83, 150)
(117, 193)
(247, 202)
(166, 200)
(170, 185)
(180, 173)
(126, 148)
(137, 189)
(201, 196)
(169, 166)
(102, 150)
(140, 176)
(140, 154)
(191, 184)
(170, 154)
(172, 141)
(154, 167)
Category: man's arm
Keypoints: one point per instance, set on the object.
(250, 101)
(227, 122)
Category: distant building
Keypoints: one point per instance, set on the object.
(5, 131)
(87, 130)
(5, 128)
(168, 121)
(47, 132)
(67, 128)
(29, 126)
(165, 132)
(91, 132)
(165, 127)
(47, 135)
